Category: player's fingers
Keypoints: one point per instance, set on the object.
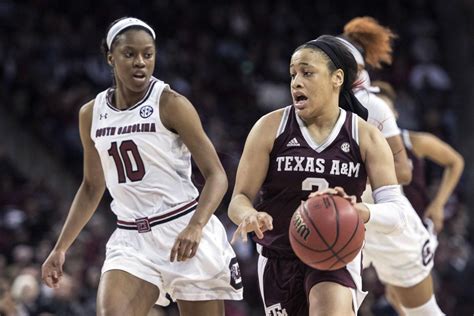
(267, 222)
(352, 199)
(236, 235)
(328, 191)
(174, 251)
(185, 250)
(243, 231)
(339, 190)
(438, 225)
(194, 250)
(56, 282)
(48, 280)
(257, 229)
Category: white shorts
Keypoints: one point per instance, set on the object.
(402, 259)
(212, 274)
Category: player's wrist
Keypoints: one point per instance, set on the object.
(364, 211)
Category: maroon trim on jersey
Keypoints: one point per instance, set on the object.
(144, 224)
(110, 93)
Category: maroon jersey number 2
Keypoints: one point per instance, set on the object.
(121, 153)
(310, 183)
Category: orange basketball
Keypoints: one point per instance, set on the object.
(326, 232)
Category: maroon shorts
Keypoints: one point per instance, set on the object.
(286, 283)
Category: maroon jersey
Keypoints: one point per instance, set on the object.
(417, 191)
(299, 166)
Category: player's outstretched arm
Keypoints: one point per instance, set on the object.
(84, 204)
(251, 173)
(428, 146)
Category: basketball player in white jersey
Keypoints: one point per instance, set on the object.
(138, 137)
(403, 261)
(421, 146)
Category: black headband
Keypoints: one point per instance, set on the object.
(347, 99)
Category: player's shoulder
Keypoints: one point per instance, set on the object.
(87, 109)
(372, 102)
(170, 97)
(367, 130)
(270, 121)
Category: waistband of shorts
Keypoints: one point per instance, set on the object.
(145, 224)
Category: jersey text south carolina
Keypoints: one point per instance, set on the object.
(127, 129)
(318, 165)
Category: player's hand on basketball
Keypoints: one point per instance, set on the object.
(186, 244)
(335, 191)
(258, 222)
(52, 269)
(435, 212)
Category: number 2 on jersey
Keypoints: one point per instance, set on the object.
(121, 153)
(308, 184)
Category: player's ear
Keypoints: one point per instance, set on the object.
(110, 59)
(338, 78)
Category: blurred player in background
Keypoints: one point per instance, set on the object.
(315, 144)
(421, 146)
(402, 260)
(138, 138)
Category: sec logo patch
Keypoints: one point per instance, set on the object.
(146, 111)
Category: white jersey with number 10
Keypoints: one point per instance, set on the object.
(147, 168)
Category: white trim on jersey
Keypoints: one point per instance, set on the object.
(406, 139)
(284, 120)
(328, 141)
(355, 128)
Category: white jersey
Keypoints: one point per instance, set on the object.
(147, 168)
(380, 114)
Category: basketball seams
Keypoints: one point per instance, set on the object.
(354, 231)
(330, 248)
(337, 255)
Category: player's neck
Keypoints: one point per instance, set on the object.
(124, 98)
(321, 126)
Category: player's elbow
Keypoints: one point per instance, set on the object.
(458, 164)
(404, 175)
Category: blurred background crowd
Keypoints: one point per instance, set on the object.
(231, 60)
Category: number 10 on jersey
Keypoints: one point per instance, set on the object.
(122, 157)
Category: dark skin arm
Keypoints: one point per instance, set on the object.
(428, 146)
(84, 204)
(179, 116)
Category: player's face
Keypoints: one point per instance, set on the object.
(312, 84)
(133, 59)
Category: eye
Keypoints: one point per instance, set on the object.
(307, 73)
(148, 55)
(292, 76)
(128, 54)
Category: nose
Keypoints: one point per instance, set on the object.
(296, 82)
(139, 61)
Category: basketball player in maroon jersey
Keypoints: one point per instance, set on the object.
(315, 144)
